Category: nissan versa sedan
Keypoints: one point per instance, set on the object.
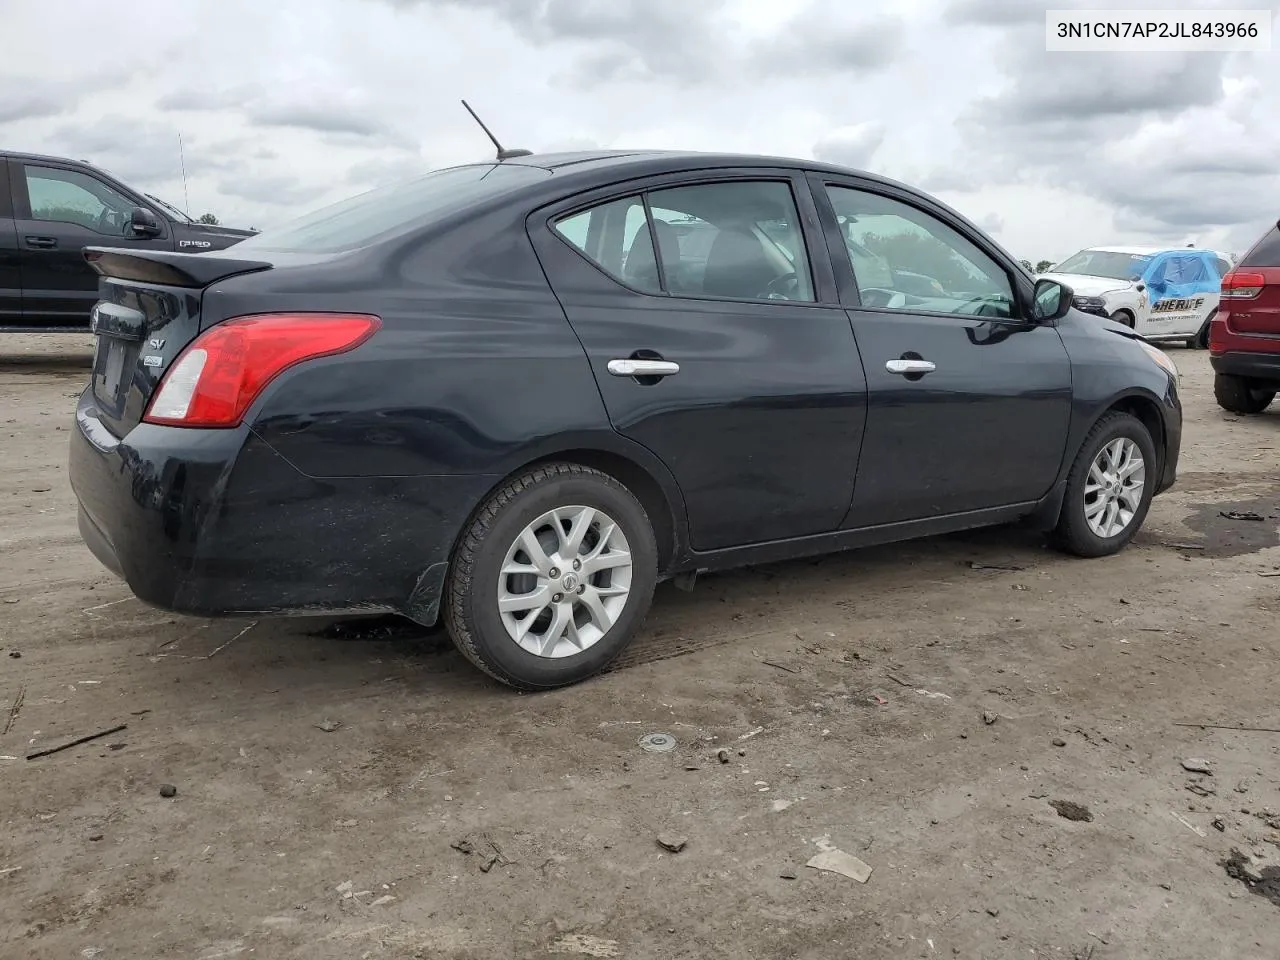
(517, 394)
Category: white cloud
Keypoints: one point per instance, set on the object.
(289, 104)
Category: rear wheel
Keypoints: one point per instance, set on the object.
(1201, 340)
(1238, 395)
(1109, 488)
(1123, 316)
(553, 577)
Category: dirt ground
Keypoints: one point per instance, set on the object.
(849, 694)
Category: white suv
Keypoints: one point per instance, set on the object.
(1164, 294)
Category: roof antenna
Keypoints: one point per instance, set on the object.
(503, 154)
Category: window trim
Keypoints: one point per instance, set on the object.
(819, 181)
(822, 278)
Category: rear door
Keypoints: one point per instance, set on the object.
(969, 402)
(726, 355)
(10, 273)
(60, 210)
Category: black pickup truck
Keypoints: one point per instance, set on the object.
(50, 209)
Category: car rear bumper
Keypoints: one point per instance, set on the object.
(1254, 366)
(215, 522)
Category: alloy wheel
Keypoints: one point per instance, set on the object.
(564, 581)
(1113, 490)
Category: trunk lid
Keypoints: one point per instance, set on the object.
(148, 311)
(1251, 291)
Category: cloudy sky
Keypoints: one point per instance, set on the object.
(285, 105)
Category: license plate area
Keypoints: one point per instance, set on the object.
(110, 358)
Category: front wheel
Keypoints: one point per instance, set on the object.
(1236, 395)
(1125, 317)
(1109, 488)
(553, 577)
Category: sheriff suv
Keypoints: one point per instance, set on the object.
(52, 208)
(1244, 339)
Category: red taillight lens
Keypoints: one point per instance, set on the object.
(217, 377)
(1242, 286)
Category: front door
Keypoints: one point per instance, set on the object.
(726, 355)
(968, 403)
(60, 211)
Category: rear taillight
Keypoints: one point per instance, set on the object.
(1237, 285)
(217, 377)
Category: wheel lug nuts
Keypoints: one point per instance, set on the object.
(557, 598)
(555, 572)
(577, 564)
(582, 588)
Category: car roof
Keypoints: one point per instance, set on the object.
(641, 162)
(38, 157)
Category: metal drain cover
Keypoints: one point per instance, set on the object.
(658, 742)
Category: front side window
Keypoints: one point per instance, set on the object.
(68, 196)
(906, 259)
(740, 240)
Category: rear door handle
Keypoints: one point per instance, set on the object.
(44, 242)
(643, 368)
(908, 367)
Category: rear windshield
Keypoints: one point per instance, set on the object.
(386, 211)
(1266, 252)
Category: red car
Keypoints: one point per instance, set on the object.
(1244, 337)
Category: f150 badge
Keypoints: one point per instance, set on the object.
(194, 243)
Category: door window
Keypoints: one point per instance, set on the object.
(906, 259)
(615, 235)
(1185, 270)
(739, 241)
(68, 196)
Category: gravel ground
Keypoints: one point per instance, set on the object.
(355, 790)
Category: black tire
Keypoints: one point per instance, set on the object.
(1236, 395)
(1201, 340)
(1073, 533)
(1123, 316)
(471, 591)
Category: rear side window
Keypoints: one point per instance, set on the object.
(397, 208)
(616, 236)
(739, 240)
(1266, 252)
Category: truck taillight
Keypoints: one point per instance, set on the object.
(219, 375)
(1238, 285)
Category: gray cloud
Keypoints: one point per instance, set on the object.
(275, 190)
(692, 41)
(1049, 89)
(17, 104)
(851, 146)
(316, 117)
(809, 44)
(997, 13)
(204, 99)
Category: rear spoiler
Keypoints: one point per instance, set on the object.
(171, 269)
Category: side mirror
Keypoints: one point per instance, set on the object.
(1051, 300)
(1140, 287)
(143, 223)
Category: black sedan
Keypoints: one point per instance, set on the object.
(518, 394)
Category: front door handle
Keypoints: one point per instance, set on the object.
(909, 368)
(631, 367)
(42, 242)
